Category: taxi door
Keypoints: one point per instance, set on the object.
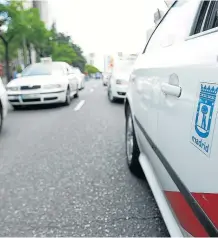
(187, 120)
(145, 97)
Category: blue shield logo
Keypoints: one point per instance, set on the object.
(204, 114)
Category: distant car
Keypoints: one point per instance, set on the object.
(98, 75)
(118, 86)
(80, 76)
(44, 83)
(105, 79)
(3, 103)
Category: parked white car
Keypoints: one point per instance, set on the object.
(80, 76)
(44, 83)
(117, 86)
(119, 80)
(3, 103)
(106, 78)
(171, 118)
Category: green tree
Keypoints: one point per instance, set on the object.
(61, 38)
(36, 34)
(91, 69)
(63, 52)
(11, 15)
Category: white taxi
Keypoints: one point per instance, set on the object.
(44, 83)
(119, 80)
(171, 113)
(118, 85)
(3, 103)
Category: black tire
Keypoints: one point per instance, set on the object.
(77, 93)
(110, 96)
(68, 98)
(1, 117)
(133, 161)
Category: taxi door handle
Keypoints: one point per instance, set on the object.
(170, 89)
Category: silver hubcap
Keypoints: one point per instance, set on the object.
(68, 95)
(129, 140)
(110, 95)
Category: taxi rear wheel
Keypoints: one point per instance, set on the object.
(132, 149)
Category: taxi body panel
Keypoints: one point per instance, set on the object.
(173, 99)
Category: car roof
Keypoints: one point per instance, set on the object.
(53, 62)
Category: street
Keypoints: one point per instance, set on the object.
(63, 172)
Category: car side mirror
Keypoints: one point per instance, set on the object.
(19, 75)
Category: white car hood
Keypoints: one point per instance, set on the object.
(37, 80)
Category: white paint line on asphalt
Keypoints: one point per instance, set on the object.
(91, 90)
(79, 105)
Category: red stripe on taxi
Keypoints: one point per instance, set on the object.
(188, 220)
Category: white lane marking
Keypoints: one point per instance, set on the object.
(79, 105)
(91, 90)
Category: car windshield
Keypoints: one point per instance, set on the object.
(123, 69)
(42, 69)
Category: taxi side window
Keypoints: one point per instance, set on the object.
(166, 34)
(212, 17)
(201, 16)
(207, 17)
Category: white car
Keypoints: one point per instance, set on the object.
(3, 103)
(171, 113)
(43, 83)
(105, 79)
(117, 86)
(81, 78)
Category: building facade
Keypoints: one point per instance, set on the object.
(90, 58)
(43, 7)
(44, 15)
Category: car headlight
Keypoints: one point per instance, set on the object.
(12, 88)
(52, 86)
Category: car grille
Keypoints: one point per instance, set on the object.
(31, 100)
(30, 87)
(121, 93)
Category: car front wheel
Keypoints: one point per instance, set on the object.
(77, 93)
(132, 149)
(110, 96)
(68, 98)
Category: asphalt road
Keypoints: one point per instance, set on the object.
(63, 173)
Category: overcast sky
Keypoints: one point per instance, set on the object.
(106, 26)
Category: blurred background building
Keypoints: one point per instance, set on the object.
(44, 11)
(43, 7)
(90, 58)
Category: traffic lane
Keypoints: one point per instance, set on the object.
(67, 175)
(25, 128)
